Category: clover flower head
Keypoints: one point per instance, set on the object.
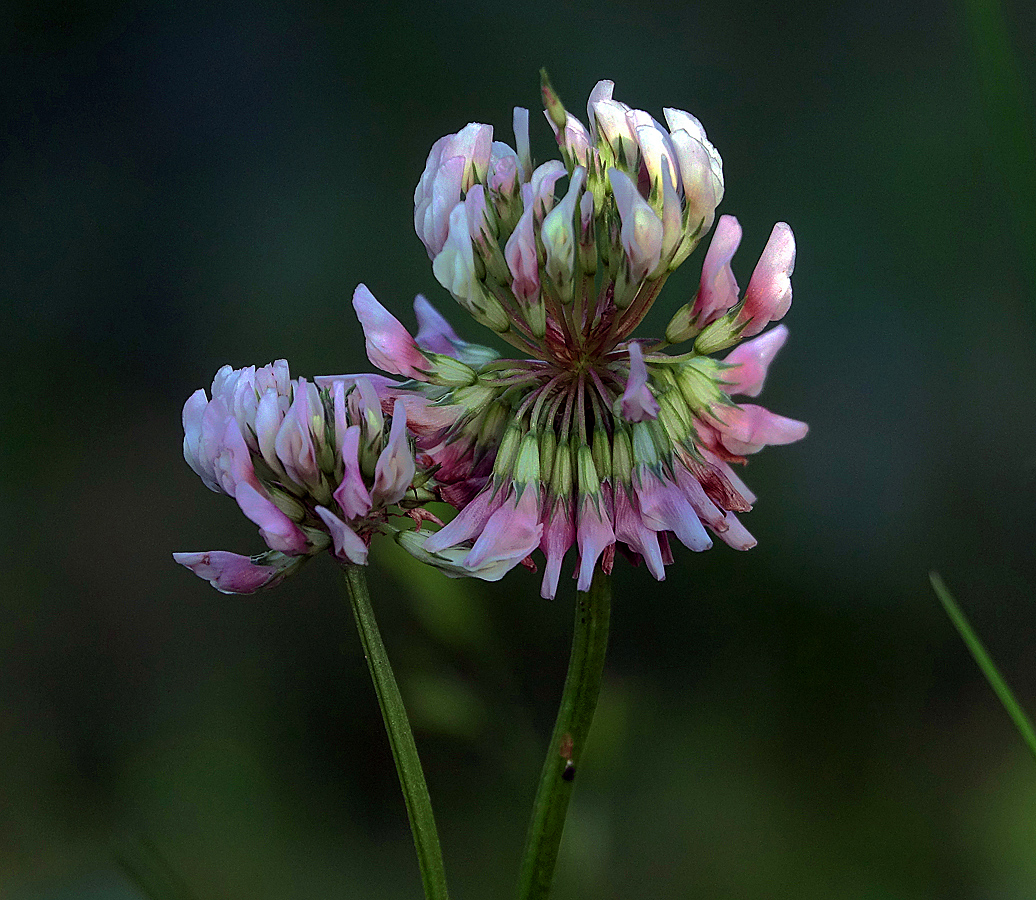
(315, 465)
(592, 440)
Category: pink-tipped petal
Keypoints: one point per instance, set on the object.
(750, 362)
(230, 573)
(768, 295)
(638, 403)
(389, 345)
(718, 289)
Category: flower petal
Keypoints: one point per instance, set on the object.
(231, 573)
(348, 545)
(389, 345)
(750, 362)
(638, 403)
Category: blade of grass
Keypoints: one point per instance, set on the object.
(985, 663)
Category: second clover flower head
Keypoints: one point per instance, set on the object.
(315, 465)
(591, 439)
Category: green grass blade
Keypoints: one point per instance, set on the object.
(985, 663)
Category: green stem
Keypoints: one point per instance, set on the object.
(401, 738)
(985, 663)
(578, 702)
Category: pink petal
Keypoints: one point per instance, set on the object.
(751, 361)
(389, 345)
(748, 428)
(594, 534)
(638, 403)
(510, 534)
(348, 545)
(295, 445)
(630, 529)
(541, 187)
(520, 255)
(642, 229)
(769, 292)
(559, 532)
(394, 471)
(230, 573)
(468, 522)
(434, 333)
(663, 507)
(718, 289)
(352, 495)
(279, 532)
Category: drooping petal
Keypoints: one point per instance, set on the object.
(594, 533)
(389, 345)
(449, 561)
(664, 508)
(468, 523)
(510, 534)
(230, 573)
(559, 533)
(631, 530)
(638, 403)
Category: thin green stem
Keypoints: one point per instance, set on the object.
(985, 663)
(578, 702)
(401, 738)
(148, 869)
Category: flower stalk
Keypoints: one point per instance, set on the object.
(571, 729)
(401, 738)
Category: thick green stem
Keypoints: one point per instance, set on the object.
(578, 702)
(401, 738)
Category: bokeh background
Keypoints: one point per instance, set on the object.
(188, 184)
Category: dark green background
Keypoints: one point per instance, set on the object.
(189, 184)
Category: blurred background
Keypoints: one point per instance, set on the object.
(191, 184)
